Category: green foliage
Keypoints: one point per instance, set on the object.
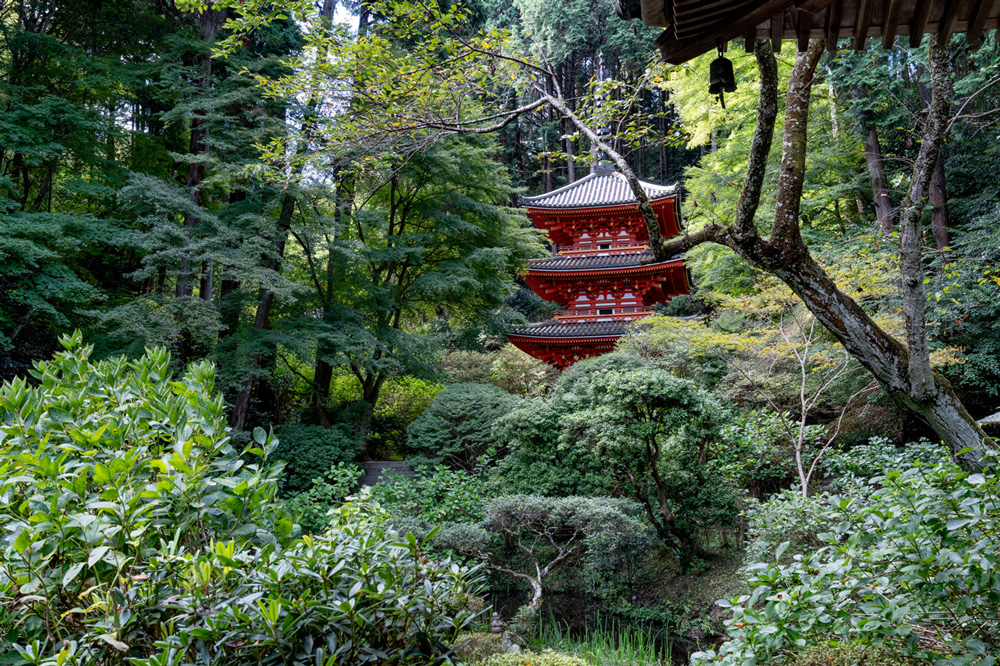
(850, 654)
(467, 367)
(354, 594)
(539, 455)
(600, 540)
(907, 562)
(310, 451)
(545, 658)
(754, 452)
(476, 647)
(525, 623)
(785, 518)
(654, 429)
(457, 428)
(612, 643)
(436, 495)
(879, 457)
(136, 531)
(521, 374)
(312, 507)
(401, 402)
(104, 468)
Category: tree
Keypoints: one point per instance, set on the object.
(428, 239)
(654, 429)
(426, 108)
(550, 532)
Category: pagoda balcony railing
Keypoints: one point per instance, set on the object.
(593, 314)
(562, 251)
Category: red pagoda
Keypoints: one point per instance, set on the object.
(601, 271)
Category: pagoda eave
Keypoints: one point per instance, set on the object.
(563, 352)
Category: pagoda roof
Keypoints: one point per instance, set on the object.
(560, 329)
(604, 187)
(596, 263)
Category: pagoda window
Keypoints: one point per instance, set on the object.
(604, 246)
(606, 311)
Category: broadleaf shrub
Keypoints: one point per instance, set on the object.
(311, 508)
(134, 533)
(908, 562)
(435, 494)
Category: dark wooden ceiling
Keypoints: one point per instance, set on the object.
(692, 27)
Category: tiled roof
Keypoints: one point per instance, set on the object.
(601, 188)
(561, 329)
(593, 263)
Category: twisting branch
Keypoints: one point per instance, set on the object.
(921, 375)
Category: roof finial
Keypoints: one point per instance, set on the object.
(598, 165)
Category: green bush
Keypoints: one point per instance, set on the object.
(879, 456)
(309, 451)
(521, 374)
(546, 658)
(908, 561)
(477, 647)
(135, 533)
(591, 539)
(849, 654)
(471, 367)
(786, 517)
(755, 452)
(457, 427)
(311, 508)
(435, 495)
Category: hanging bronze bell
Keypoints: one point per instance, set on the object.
(721, 78)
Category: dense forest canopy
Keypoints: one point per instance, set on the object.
(247, 247)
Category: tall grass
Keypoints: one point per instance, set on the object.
(609, 644)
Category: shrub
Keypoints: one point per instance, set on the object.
(785, 518)
(309, 451)
(755, 452)
(654, 429)
(549, 533)
(546, 658)
(849, 654)
(135, 533)
(477, 647)
(908, 562)
(435, 495)
(467, 367)
(457, 427)
(311, 508)
(354, 594)
(878, 457)
(537, 460)
(521, 374)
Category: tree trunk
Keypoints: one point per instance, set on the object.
(880, 187)
(903, 372)
(209, 21)
(262, 319)
(939, 206)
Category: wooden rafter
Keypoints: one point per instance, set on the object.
(697, 25)
(891, 23)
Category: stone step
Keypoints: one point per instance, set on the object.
(395, 468)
